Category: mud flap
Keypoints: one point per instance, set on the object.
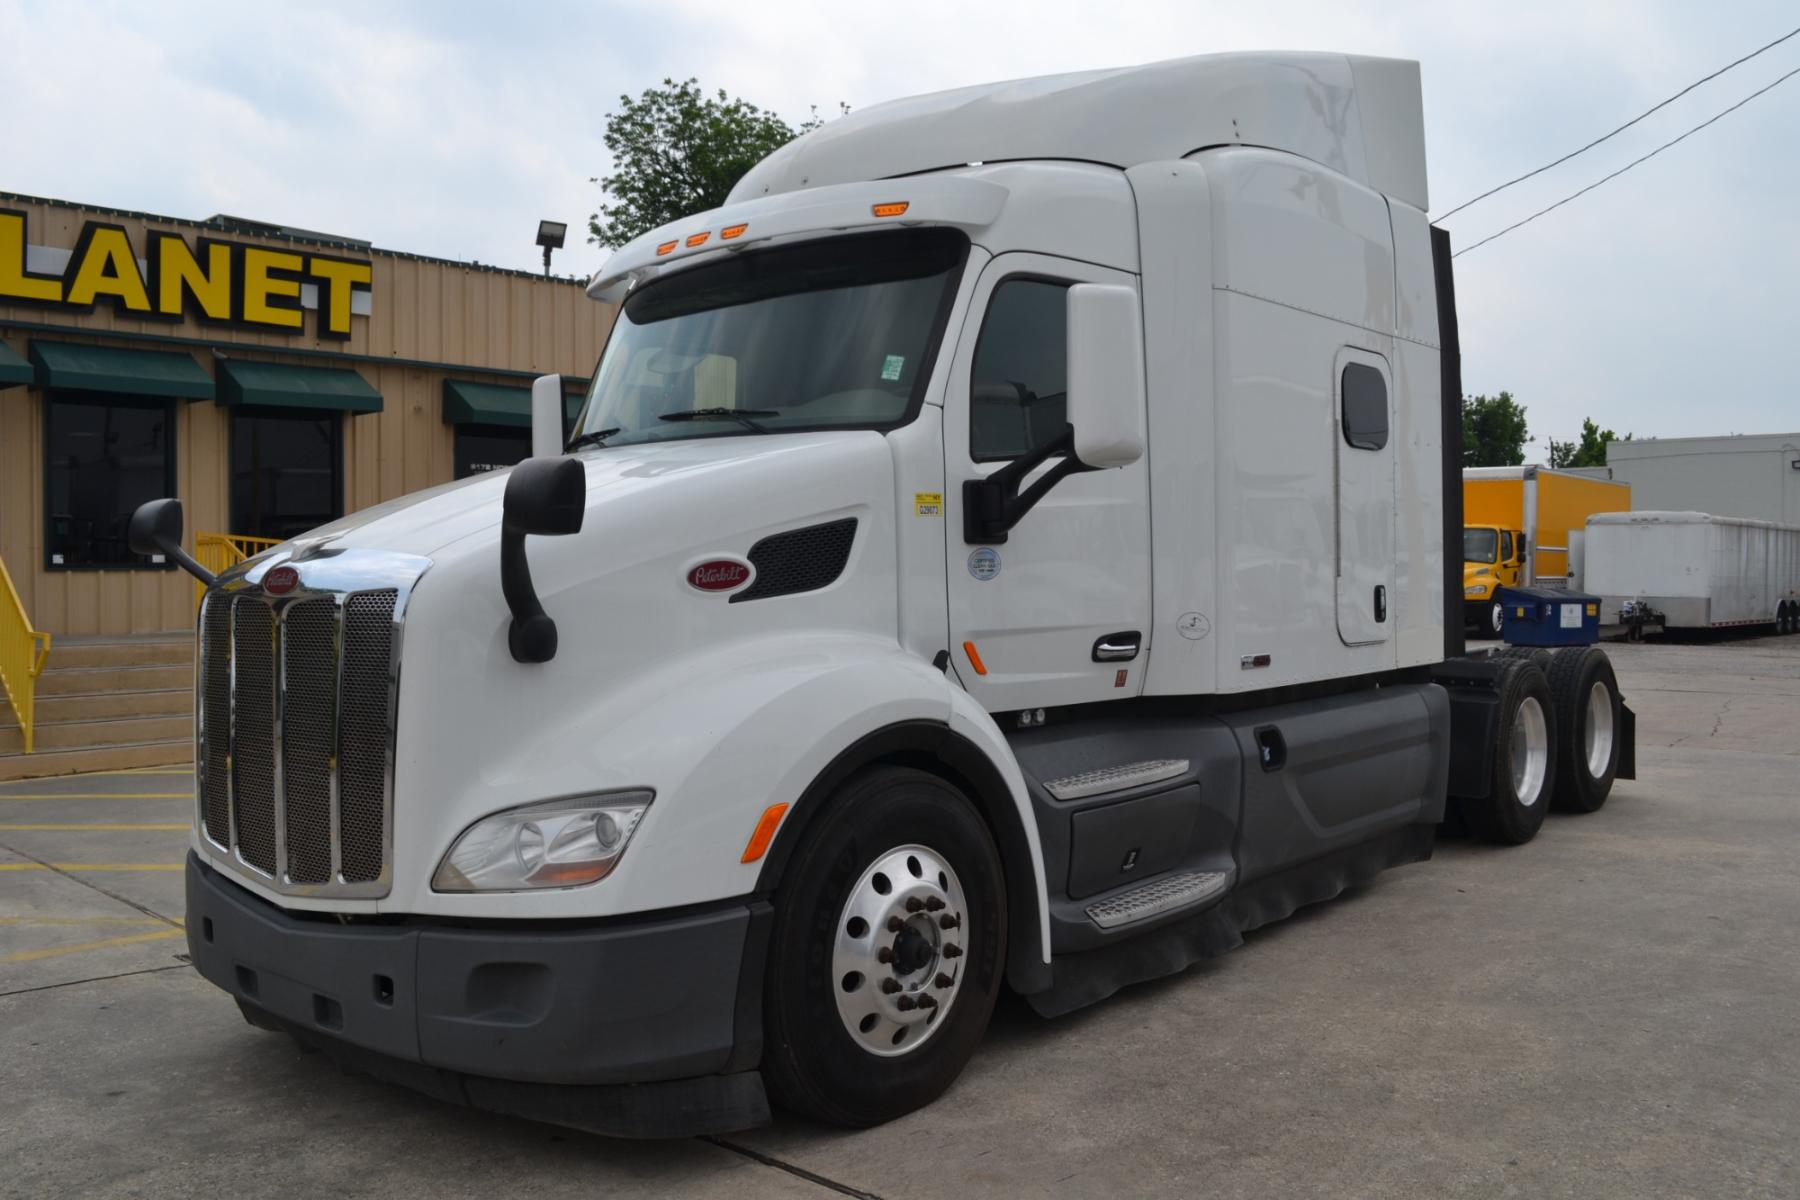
(1627, 742)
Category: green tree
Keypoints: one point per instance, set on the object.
(1494, 433)
(677, 151)
(1590, 451)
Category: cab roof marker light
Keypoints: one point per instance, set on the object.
(698, 239)
(731, 231)
(666, 247)
(764, 833)
(891, 209)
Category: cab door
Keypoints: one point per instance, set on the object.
(1058, 611)
(1365, 498)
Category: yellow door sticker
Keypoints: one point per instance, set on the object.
(928, 504)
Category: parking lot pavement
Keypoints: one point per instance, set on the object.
(1607, 1011)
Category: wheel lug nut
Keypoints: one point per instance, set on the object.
(890, 986)
(895, 924)
(952, 952)
(948, 922)
(942, 980)
(914, 904)
(885, 954)
(927, 1002)
(933, 903)
(906, 1004)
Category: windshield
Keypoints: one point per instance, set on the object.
(1479, 544)
(835, 334)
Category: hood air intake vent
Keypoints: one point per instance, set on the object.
(800, 560)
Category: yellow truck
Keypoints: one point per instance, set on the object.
(1516, 526)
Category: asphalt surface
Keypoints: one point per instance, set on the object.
(1608, 1011)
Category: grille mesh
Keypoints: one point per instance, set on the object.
(253, 755)
(215, 719)
(308, 719)
(363, 731)
(800, 560)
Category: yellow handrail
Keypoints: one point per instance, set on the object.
(22, 654)
(221, 551)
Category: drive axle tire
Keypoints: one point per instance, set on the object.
(887, 951)
(1523, 767)
(1586, 694)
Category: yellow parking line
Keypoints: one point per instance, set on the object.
(65, 866)
(134, 771)
(76, 827)
(99, 796)
(102, 944)
(84, 921)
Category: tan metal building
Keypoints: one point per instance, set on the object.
(271, 378)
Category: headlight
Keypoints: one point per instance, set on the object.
(559, 843)
(1479, 589)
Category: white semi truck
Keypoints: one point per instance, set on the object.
(1005, 544)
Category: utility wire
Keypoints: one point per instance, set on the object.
(1634, 162)
(1621, 129)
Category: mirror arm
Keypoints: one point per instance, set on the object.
(532, 635)
(993, 505)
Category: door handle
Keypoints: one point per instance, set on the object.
(1380, 603)
(1118, 647)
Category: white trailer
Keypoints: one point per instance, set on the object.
(1693, 570)
(1013, 540)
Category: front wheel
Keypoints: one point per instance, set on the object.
(1489, 618)
(887, 951)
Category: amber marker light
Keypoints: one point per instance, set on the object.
(890, 210)
(698, 239)
(974, 658)
(766, 825)
(731, 231)
(665, 248)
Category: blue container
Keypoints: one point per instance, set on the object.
(1549, 617)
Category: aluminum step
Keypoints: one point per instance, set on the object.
(1158, 896)
(1115, 779)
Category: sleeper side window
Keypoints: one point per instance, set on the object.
(1018, 384)
(1365, 407)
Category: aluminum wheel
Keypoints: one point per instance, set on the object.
(1499, 618)
(1598, 729)
(898, 960)
(1530, 751)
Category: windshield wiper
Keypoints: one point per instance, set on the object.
(740, 415)
(595, 438)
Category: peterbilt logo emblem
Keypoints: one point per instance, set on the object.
(280, 580)
(719, 575)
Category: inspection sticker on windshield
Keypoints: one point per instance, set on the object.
(928, 504)
(890, 366)
(984, 564)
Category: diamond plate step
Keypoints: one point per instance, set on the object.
(1158, 896)
(1115, 779)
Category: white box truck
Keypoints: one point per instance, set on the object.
(1013, 540)
(1692, 570)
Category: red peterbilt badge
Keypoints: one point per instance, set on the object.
(280, 580)
(719, 575)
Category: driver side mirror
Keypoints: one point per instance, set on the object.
(156, 529)
(1106, 375)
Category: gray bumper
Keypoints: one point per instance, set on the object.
(523, 1004)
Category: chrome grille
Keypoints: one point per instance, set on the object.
(296, 706)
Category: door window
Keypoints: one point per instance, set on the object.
(285, 472)
(1018, 382)
(1506, 546)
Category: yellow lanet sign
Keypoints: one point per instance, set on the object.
(221, 282)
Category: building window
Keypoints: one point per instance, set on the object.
(483, 448)
(104, 456)
(286, 472)
(1018, 384)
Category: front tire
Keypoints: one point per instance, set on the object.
(887, 951)
(1490, 618)
(1524, 760)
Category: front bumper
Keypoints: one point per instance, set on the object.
(641, 1028)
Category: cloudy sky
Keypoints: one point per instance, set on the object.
(1666, 303)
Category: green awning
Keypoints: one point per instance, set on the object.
(13, 369)
(491, 404)
(110, 369)
(278, 385)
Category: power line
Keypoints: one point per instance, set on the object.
(1621, 129)
(1634, 162)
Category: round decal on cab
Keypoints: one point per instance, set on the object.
(720, 575)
